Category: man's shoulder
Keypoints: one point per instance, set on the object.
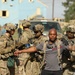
(58, 41)
(44, 38)
(3, 41)
(3, 37)
(28, 32)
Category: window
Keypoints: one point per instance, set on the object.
(4, 1)
(57, 20)
(61, 20)
(30, 0)
(4, 13)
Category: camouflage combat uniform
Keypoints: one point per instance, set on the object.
(27, 35)
(7, 45)
(35, 61)
(70, 64)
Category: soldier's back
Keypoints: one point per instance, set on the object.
(6, 46)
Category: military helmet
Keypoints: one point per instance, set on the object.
(71, 29)
(38, 27)
(26, 23)
(10, 26)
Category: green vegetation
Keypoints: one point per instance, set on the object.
(70, 10)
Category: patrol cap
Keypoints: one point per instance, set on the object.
(10, 26)
(26, 23)
(38, 27)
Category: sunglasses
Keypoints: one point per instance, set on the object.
(35, 31)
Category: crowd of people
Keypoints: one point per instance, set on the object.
(36, 54)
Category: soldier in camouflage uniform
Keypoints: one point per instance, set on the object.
(7, 46)
(53, 66)
(36, 58)
(70, 65)
(24, 42)
(39, 37)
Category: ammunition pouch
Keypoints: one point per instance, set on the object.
(37, 56)
(10, 62)
(72, 53)
(72, 57)
(9, 58)
(5, 56)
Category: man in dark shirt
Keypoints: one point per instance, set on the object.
(52, 66)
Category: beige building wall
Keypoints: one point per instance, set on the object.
(4, 1)
(6, 13)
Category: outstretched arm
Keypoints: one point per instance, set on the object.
(29, 50)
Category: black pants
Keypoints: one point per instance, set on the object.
(46, 72)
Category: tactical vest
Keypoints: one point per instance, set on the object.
(7, 46)
(38, 56)
(72, 53)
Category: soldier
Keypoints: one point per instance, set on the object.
(53, 51)
(36, 58)
(69, 68)
(38, 32)
(24, 42)
(7, 46)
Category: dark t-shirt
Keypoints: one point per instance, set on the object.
(51, 59)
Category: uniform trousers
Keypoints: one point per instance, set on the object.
(47, 72)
